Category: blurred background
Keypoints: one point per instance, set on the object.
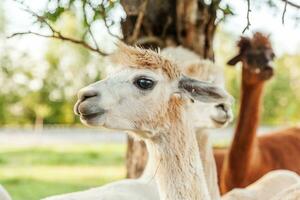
(44, 149)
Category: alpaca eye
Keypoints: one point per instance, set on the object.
(144, 83)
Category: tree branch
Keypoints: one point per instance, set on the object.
(291, 4)
(102, 11)
(138, 24)
(248, 17)
(109, 31)
(286, 3)
(61, 37)
(89, 28)
(55, 34)
(283, 13)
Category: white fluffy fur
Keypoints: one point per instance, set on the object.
(273, 185)
(206, 70)
(291, 193)
(4, 194)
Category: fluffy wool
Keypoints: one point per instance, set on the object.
(4, 194)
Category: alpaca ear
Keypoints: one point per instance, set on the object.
(243, 44)
(234, 60)
(203, 91)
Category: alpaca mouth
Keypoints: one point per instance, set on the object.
(89, 113)
(88, 109)
(264, 73)
(223, 116)
(94, 119)
(91, 116)
(221, 122)
(268, 72)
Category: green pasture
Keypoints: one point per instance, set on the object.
(30, 173)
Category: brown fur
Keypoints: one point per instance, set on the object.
(166, 114)
(173, 112)
(219, 155)
(250, 157)
(259, 41)
(142, 58)
(200, 70)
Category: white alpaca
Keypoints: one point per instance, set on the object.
(215, 116)
(274, 185)
(292, 193)
(204, 115)
(193, 66)
(150, 98)
(4, 194)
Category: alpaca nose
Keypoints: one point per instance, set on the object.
(224, 113)
(87, 93)
(221, 106)
(82, 106)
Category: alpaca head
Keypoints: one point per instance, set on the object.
(205, 115)
(256, 55)
(146, 94)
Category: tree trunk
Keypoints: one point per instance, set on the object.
(161, 23)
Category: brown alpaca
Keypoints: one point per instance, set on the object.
(250, 157)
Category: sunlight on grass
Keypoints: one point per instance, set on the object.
(32, 173)
(68, 174)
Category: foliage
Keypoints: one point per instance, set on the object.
(65, 168)
(44, 91)
(282, 102)
(86, 13)
(96, 9)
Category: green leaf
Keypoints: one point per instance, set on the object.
(228, 10)
(53, 16)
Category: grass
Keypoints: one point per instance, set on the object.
(33, 173)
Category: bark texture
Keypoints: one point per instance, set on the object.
(161, 23)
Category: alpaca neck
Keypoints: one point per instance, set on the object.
(209, 163)
(244, 149)
(178, 168)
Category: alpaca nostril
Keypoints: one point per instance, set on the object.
(221, 106)
(85, 94)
